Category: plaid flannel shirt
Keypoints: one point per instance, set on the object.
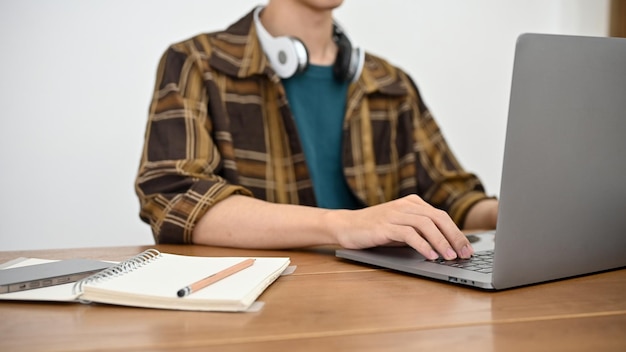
(220, 124)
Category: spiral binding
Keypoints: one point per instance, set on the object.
(121, 268)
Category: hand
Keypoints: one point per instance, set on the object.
(407, 220)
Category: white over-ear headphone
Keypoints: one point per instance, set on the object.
(288, 55)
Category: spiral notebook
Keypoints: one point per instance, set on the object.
(152, 280)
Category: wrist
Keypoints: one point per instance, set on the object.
(334, 224)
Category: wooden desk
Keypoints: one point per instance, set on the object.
(333, 305)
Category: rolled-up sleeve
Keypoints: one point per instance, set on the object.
(179, 173)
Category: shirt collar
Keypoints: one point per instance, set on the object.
(237, 52)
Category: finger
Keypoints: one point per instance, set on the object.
(427, 229)
(452, 233)
(425, 232)
(452, 236)
(408, 235)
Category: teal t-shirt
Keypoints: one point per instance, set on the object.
(318, 102)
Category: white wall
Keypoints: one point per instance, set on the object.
(76, 78)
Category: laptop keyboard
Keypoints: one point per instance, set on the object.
(481, 262)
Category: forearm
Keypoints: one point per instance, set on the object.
(483, 215)
(245, 222)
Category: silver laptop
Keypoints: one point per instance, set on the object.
(563, 191)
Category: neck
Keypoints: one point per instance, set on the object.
(312, 26)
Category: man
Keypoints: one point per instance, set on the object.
(236, 155)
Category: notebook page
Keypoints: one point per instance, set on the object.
(162, 277)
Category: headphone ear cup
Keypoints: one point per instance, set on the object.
(350, 59)
(341, 67)
(287, 55)
(302, 55)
